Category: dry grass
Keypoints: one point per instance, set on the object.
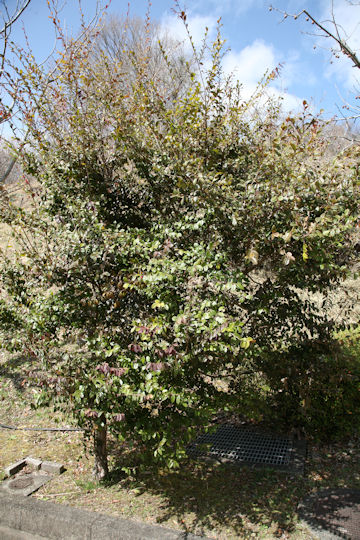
(219, 501)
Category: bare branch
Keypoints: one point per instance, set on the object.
(11, 20)
(333, 30)
(344, 46)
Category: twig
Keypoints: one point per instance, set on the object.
(15, 17)
(57, 494)
(344, 47)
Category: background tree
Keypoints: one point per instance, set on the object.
(8, 19)
(172, 252)
(139, 45)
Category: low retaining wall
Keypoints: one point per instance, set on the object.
(33, 519)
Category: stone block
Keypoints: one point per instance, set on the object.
(52, 468)
(34, 463)
(15, 467)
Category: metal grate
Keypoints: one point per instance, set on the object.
(243, 445)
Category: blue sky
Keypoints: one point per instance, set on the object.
(259, 40)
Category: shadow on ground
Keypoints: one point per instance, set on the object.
(225, 501)
(205, 497)
(13, 369)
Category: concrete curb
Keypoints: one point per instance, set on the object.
(32, 519)
(11, 534)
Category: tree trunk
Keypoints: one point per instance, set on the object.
(100, 452)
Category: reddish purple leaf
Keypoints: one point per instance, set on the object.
(155, 366)
(134, 347)
(118, 371)
(91, 414)
(103, 368)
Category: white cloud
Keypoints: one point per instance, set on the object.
(290, 102)
(175, 27)
(197, 21)
(250, 64)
